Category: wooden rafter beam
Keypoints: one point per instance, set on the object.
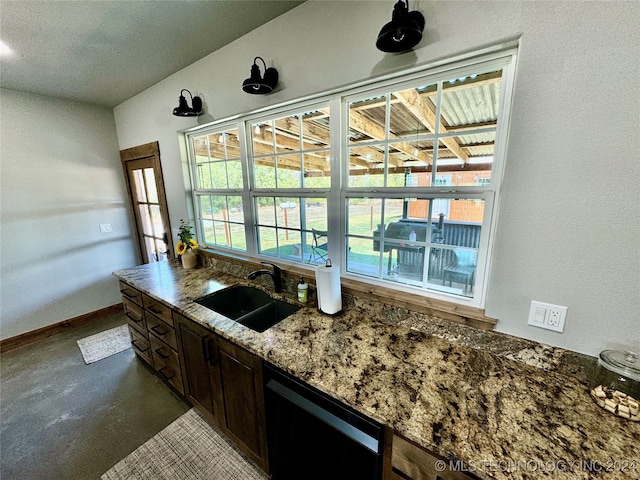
(360, 123)
(312, 130)
(233, 147)
(320, 133)
(420, 109)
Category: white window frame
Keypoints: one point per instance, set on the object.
(504, 58)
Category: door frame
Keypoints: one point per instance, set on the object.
(148, 151)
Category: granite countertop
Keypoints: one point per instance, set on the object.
(506, 418)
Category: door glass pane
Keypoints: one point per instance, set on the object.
(161, 249)
(138, 182)
(145, 218)
(152, 254)
(151, 185)
(156, 220)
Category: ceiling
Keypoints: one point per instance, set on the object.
(105, 52)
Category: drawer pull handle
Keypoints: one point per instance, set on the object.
(205, 350)
(135, 344)
(155, 310)
(129, 293)
(208, 351)
(168, 377)
(213, 357)
(157, 328)
(162, 355)
(134, 317)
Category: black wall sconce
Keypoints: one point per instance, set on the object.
(403, 32)
(256, 85)
(183, 109)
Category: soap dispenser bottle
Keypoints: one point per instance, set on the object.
(303, 290)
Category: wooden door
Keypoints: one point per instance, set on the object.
(143, 174)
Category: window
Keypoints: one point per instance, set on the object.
(414, 151)
(290, 156)
(399, 188)
(219, 187)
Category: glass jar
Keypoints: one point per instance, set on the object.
(616, 383)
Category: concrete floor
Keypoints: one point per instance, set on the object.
(63, 419)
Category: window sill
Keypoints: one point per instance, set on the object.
(466, 315)
(471, 316)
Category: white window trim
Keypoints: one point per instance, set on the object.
(498, 57)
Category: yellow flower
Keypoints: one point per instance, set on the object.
(182, 247)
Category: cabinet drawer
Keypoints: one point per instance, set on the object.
(135, 316)
(131, 293)
(168, 373)
(159, 309)
(168, 355)
(161, 330)
(140, 345)
(415, 463)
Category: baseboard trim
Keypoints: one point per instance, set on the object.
(44, 332)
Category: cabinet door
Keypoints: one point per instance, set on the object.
(244, 413)
(201, 374)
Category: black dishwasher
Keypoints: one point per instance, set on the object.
(313, 436)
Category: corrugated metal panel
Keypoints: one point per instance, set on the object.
(471, 105)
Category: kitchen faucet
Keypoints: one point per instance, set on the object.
(275, 275)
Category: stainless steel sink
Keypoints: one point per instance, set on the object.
(249, 306)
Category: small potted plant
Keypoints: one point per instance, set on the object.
(186, 245)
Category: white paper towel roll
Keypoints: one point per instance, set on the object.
(328, 288)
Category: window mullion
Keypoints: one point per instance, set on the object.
(335, 201)
(246, 151)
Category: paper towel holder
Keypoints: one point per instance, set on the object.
(332, 310)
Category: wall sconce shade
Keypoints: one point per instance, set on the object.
(183, 109)
(256, 84)
(403, 32)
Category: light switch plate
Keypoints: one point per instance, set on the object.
(547, 315)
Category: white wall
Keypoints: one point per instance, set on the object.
(60, 178)
(569, 223)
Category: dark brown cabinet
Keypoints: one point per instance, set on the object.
(163, 342)
(201, 377)
(225, 382)
(243, 400)
(134, 313)
(153, 335)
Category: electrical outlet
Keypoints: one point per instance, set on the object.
(105, 228)
(547, 315)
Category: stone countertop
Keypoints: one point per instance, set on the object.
(505, 418)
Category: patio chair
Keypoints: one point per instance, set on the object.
(462, 266)
(318, 246)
